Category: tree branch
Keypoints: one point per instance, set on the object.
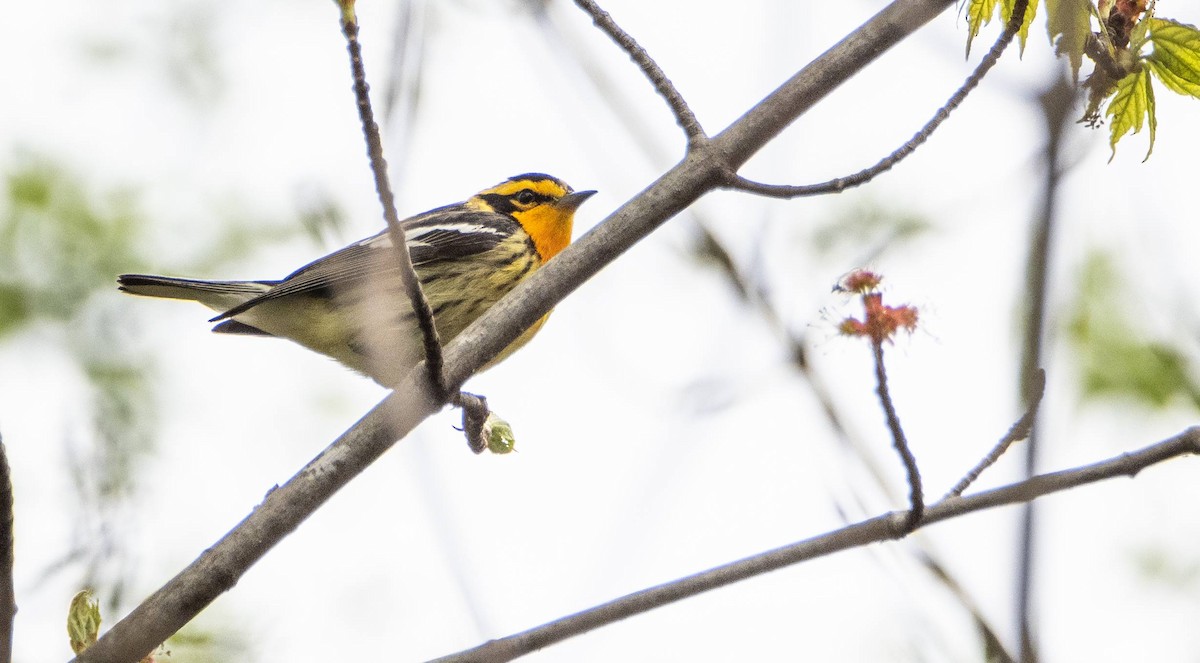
(754, 295)
(838, 184)
(993, 647)
(1019, 431)
(408, 274)
(794, 343)
(8, 597)
(916, 497)
(283, 508)
(702, 170)
(658, 78)
(880, 528)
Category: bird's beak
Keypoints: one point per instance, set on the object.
(572, 201)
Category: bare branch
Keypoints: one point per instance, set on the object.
(839, 184)
(684, 116)
(702, 170)
(993, 646)
(794, 343)
(916, 497)
(283, 508)
(408, 275)
(1019, 431)
(753, 294)
(880, 528)
(8, 597)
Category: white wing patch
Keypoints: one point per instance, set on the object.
(413, 235)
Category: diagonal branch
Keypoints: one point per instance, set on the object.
(1019, 431)
(702, 169)
(754, 295)
(886, 527)
(838, 184)
(993, 647)
(658, 78)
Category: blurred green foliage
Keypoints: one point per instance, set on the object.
(1167, 568)
(1115, 358)
(867, 230)
(196, 644)
(59, 244)
(60, 247)
(190, 54)
(62, 244)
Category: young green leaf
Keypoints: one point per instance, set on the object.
(499, 434)
(83, 621)
(1169, 78)
(1069, 23)
(979, 14)
(1176, 56)
(1131, 108)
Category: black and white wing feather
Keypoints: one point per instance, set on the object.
(445, 234)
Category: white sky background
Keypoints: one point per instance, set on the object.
(661, 431)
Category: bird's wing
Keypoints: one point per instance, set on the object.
(448, 233)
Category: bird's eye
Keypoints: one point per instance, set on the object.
(526, 197)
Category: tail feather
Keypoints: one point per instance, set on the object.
(217, 295)
(235, 327)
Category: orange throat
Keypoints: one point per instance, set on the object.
(549, 228)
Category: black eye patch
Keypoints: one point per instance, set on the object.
(521, 200)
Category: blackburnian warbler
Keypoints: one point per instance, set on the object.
(351, 306)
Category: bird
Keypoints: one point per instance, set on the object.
(351, 304)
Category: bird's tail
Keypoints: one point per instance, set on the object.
(216, 295)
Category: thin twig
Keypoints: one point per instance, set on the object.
(684, 116)
(1019, 431)
(916, 497)
(993, 647)
(747, 290)
(8, 597)
(880, 528)
(795, 345)
(408, 275)
(839, 184)
(754, 294)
